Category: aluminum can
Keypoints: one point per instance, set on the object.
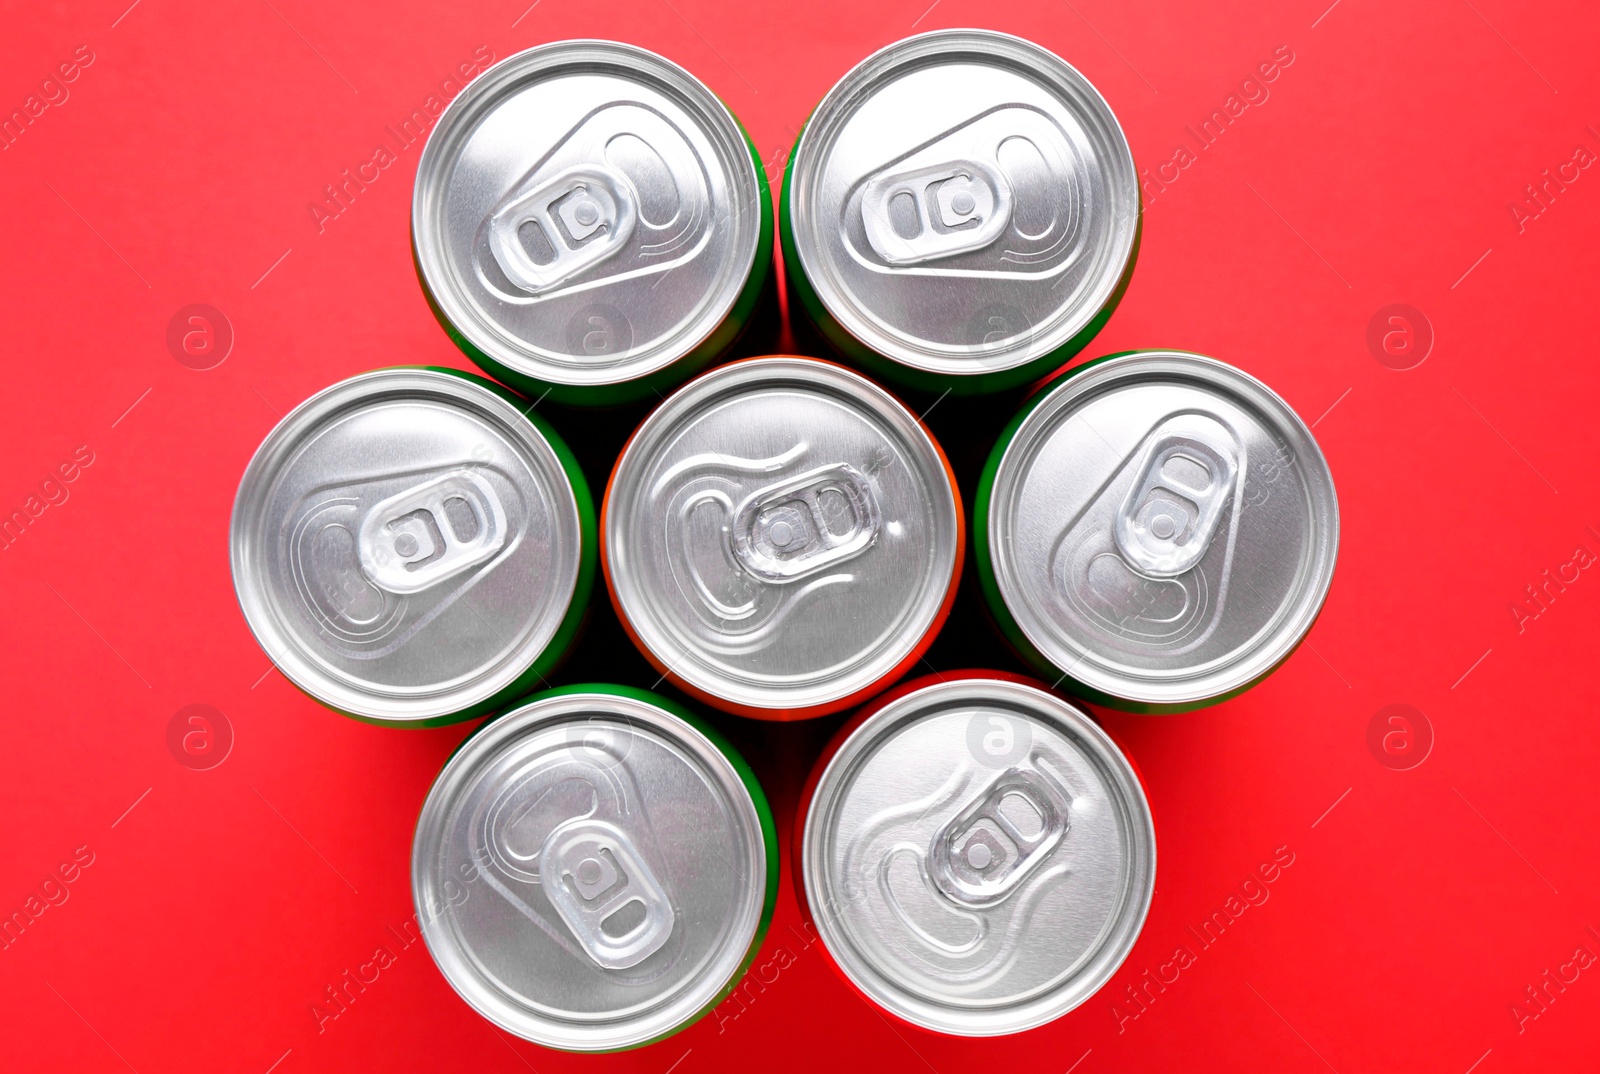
(961, 212)
(590, 221)
(782, 538)
(413, 546)
(1158, 528)
(976, 854)
(594, 869)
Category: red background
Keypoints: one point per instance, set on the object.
(1418, 909)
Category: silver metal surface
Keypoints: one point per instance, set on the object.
(590, 871)
(963, 201)
(1163, 528)
(978, 857)
(405, 544)
(586, 213)
(781, 533)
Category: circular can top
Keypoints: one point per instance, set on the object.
(963, 202)
(978, 856)
(591, 871)
(781, 536)
(586, 213)
(1161, 527)
(406, 545)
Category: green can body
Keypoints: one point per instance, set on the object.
(1149, 609)
(375, 508)
(595, 779)
(939, 263)
(604, 250)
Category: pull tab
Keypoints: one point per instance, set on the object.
(431, 532)
(989, 847)
(572, 222)
(605, 893)
(1183, 486)
(625, 186)
(798, 527)
(921, 214)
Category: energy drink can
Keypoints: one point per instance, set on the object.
(594, 869)
(1157, 527)
(412, 546)
(591, 222)
(961, 212)
(782, 538)
(976, 854)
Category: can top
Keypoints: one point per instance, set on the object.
(963, 202)
(781, 533)
(978, 856)
(589, 870)
(1163, 528)
(405, 544)
(586, 212)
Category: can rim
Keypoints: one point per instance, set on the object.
(458, 121)
(763, 703)
(927, 696)
(927, 49)
(657, 714)
(478, 400)
(1218, 678)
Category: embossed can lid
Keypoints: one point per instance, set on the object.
(781, 535)
(963, 202)
(586, 213)
(406, 545)
(978, 856)
(591, 871)
(1160, 527)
